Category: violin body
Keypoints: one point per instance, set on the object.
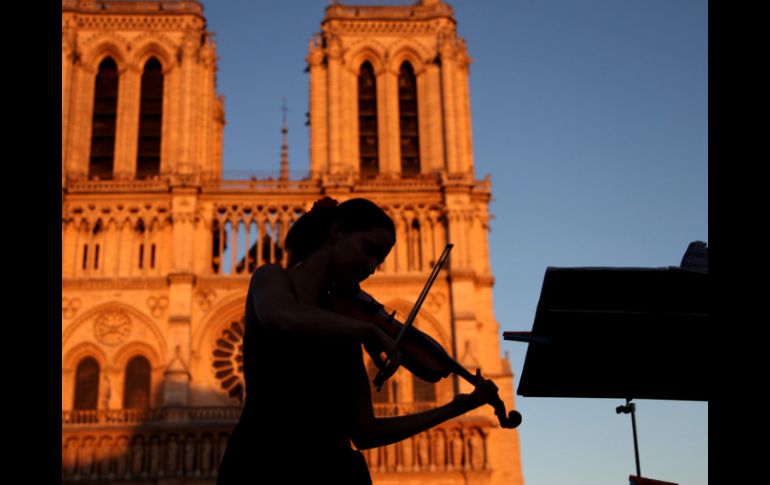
(420, 354)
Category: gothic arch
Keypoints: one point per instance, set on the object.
(73, 356)
(132, 349)
(407, 53)
(111, 223)
(229, 308)
(120, 364)
(364, 54)
(125, 221)
(101, 45)
(366, 49)
(155, 45)
(156, 224)
(137, 316)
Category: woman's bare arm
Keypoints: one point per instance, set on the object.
(372, 432)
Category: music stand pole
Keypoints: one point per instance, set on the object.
(631, 408)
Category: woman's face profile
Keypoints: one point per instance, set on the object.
(357, 254)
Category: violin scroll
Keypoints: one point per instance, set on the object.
(512, 420)
(486, 391)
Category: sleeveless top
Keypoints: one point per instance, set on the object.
(297, 416)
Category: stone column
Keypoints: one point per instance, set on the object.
(318, 109)
(205, 235)
(335, 105)
(127, 123)
(348, 131)
(383, 147)
(111, 242)
(392, 138)
(448, 101)
(206, 110)
(434, 142)
(181, 281)
(68, 53)
(169, 132)
(69, 247)
(465, 134)
(187, 101)
(125, 247)
(84, 80)
(422, 122)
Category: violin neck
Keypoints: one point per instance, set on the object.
(463, 372)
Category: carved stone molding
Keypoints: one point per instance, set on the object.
(383, 28)
(181, 278)
(70, 307)
(205, 298)
(112, 327)
(122, 22)
(147, 283)
(157, 305)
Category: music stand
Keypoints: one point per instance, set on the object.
(627, 333)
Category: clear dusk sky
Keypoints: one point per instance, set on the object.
(591, 118)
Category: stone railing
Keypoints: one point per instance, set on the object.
(261, 185)
(133, 417)
(102, 186)
(112, 6)
(405, 11)
(145, 456)
(400, 409)
(455, 446)
(175, 453)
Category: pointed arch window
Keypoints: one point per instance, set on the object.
(103, 121)
(150, 120)
(136, 393)
(367, 121)
(87, 384)
(407, 111)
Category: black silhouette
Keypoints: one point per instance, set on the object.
(307, 390)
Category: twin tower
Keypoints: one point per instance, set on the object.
(157, 248)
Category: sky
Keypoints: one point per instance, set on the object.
(591, 118)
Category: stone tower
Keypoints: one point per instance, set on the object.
(157, 248)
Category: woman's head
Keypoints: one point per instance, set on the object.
(359, 235)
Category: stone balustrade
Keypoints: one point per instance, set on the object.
(181, 6)
(130, 417)
(147, 446)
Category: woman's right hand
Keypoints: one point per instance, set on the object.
(383, 351)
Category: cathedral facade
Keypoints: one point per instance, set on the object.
(158, 248)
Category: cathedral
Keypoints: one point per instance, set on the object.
(158, 248)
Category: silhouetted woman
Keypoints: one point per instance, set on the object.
(307, 390)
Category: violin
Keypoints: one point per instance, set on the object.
(420, 354)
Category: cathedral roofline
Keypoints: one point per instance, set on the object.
(389, 12)
(135, 8)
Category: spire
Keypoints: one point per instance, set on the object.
(284, 146)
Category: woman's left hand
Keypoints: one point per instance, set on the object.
(485, 391)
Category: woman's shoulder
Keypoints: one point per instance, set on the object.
(269, 273)
(272, 280)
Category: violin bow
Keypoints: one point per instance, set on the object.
(379, 378)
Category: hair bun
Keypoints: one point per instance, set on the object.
(324, 203)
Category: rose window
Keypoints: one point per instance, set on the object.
(228, 360)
